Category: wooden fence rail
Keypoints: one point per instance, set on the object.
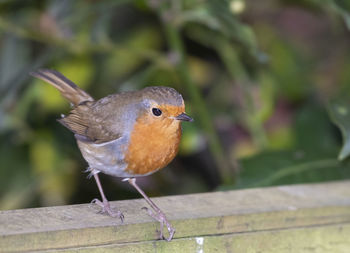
(299, 218)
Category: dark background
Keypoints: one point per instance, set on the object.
(263, 79)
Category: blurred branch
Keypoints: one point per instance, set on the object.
(176, 46)
(80, 47)
(242, 79)
(238, 73)
(214, 24)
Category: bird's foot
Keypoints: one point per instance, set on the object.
(160, 216)
(106, 208)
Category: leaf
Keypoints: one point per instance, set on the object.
(290, 167)
(341, 8)
(310, 159)
(339, 112)
(313, 130)
(219, 21)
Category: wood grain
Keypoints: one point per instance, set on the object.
(307, 218)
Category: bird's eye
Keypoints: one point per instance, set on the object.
(156, 111)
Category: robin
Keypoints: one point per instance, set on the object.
(130, 134)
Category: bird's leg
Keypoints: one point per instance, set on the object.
(104, 204)
(156, 213)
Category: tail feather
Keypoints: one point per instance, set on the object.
(68, 89)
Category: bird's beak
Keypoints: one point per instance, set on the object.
(184, 117)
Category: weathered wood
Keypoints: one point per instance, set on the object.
(325, 239)
(314, 217)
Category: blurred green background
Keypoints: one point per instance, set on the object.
(268, 83)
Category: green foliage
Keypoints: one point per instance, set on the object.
(257, 78)
(311, 159)
(339, 111)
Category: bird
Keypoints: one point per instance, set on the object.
(126, 135)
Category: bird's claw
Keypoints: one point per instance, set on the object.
(161, 218)
(106, 208)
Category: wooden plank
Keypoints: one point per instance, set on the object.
(325, 239)
(221, 215)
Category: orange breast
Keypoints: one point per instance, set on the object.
(152, 145)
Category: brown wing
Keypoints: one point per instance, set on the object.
(96, 121)
(87, 126)
(85, 122)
